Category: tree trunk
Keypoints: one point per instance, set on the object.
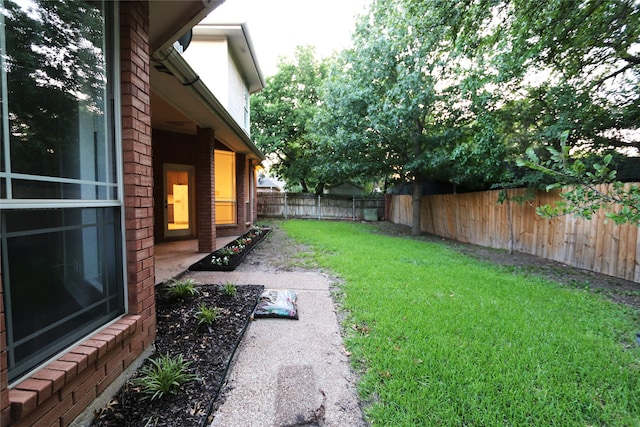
(415, 199)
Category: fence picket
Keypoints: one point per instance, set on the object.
(477, 218)
(327, 206)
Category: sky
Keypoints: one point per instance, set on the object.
(276, 27)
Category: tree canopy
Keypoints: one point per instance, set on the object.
(462, 91)
(281, 116)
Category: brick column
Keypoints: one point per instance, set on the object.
(242, 190)
(137, 161)
(254, 189)
(205, 191)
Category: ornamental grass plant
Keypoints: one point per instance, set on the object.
(442, 339)
(164, 375)
(182, 288)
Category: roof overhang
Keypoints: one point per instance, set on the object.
(171, 19)
(181, 102)
(240, 46)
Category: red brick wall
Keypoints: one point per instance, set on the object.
(137, 159)
(55, 395)
(254, 187)
(198, 151)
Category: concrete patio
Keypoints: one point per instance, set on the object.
(174, 258)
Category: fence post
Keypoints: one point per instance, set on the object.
(285, 205)
(353, 209)
(319, 208)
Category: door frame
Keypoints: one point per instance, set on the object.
(191, 172)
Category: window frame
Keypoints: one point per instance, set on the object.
(231, 202)
(113, 106)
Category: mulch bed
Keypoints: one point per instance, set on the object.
(231, 255)
(209, 351)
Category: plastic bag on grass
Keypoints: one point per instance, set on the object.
(276, 303)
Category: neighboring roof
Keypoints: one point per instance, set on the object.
(181, 101)
(171, 19)
(344, 185)
(266, 182)
(240, 45)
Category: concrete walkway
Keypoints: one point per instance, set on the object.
(289, 372)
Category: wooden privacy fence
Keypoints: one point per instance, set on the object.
(326, 206)
(477, 218)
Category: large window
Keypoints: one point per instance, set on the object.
(60, 207)
(225, 181)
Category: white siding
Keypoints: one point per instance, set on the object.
(209, 59)
(213, 62)
(236, 94)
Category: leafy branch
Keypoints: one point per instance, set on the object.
(585, 189)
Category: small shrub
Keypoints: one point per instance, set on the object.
(225, 251)
(183, 288)
(220, 260)
(243, 241)
(230, 290)
(207, 315)
(164, 376)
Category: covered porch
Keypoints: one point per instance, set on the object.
(174, 257)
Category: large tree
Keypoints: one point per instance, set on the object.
(573, 68)
(399, 103)
(457, 90)
(280, 118)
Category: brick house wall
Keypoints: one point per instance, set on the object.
(58, 393)
(198, 151)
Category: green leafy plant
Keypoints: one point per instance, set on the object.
(184, 288)
(222, 260)
(230, 250)
(165, 375)
(243, 241)
(255, 232)
(207, 315)
(230, 290)
(585, 190)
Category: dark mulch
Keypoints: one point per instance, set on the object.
(208, 349)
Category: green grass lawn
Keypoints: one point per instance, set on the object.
(442, 339)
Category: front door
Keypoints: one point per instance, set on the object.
(179, 200)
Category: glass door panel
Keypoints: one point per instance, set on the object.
(178, 200)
